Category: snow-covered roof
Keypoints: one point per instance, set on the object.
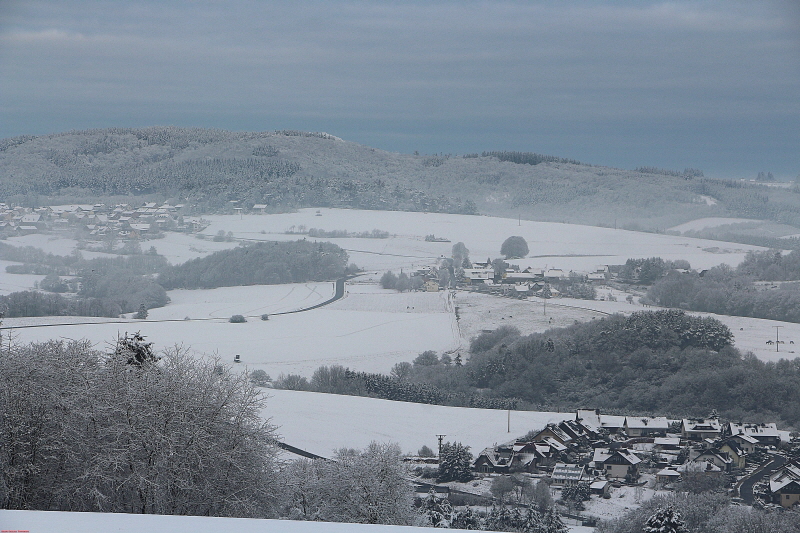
(745, 437)
(784, 476)
(712, 455)
(567, 472)
(667, 441)
(668, 472)
(643, 422)
(601, 455)
(755, 430)
(553, 443)
(701, 424)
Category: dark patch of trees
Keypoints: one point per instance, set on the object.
(664, 361)
(514, 247)
(102, 287)
(267, 263)
(727, 291)
(529, 158)
(33, 303)
(407, 386)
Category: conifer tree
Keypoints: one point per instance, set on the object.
(665, 520)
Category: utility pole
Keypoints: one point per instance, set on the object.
(777, 343)
(509, 420)
(441, 438)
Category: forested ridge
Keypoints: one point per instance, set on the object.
(288, 169)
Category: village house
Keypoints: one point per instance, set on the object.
(765, 434)
(636, 426)
(619, 463)
(698, 429)
(745, 442)
(600, 487)
(667, 476)
(591, 418)
(518, 457)
(715, 457)
(784, 485)
(737, 455)
(553, 431)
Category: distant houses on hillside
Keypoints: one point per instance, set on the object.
(596, 448)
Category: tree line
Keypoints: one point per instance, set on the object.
(264, 263)
(400, 386)
(733, 291)
(112, 286)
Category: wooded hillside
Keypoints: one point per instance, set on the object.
(288, 169)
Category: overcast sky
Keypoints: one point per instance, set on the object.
(713, 85)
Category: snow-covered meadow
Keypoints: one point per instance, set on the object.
(565, 246)
(323, 423)
(368, 329)
(372, 329)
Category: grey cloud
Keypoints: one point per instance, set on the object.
(404, 72)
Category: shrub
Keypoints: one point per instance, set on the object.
(259, 378)
(237, 319)
(265, 316)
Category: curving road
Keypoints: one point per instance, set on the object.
(746, 485)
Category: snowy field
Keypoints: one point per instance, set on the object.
(565, 246)
(322, 423)
(369, 329)
(711, 222)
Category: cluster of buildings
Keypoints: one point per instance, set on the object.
(97, 221)
(511, 280)
(598, 449)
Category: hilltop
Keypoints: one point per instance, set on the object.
(284, 170)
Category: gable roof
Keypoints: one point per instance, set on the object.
(745, 437)
(790, 473)
(601, 455)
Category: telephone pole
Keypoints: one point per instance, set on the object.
(777, 342)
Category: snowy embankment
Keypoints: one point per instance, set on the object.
(62, 522)
(322, 423)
